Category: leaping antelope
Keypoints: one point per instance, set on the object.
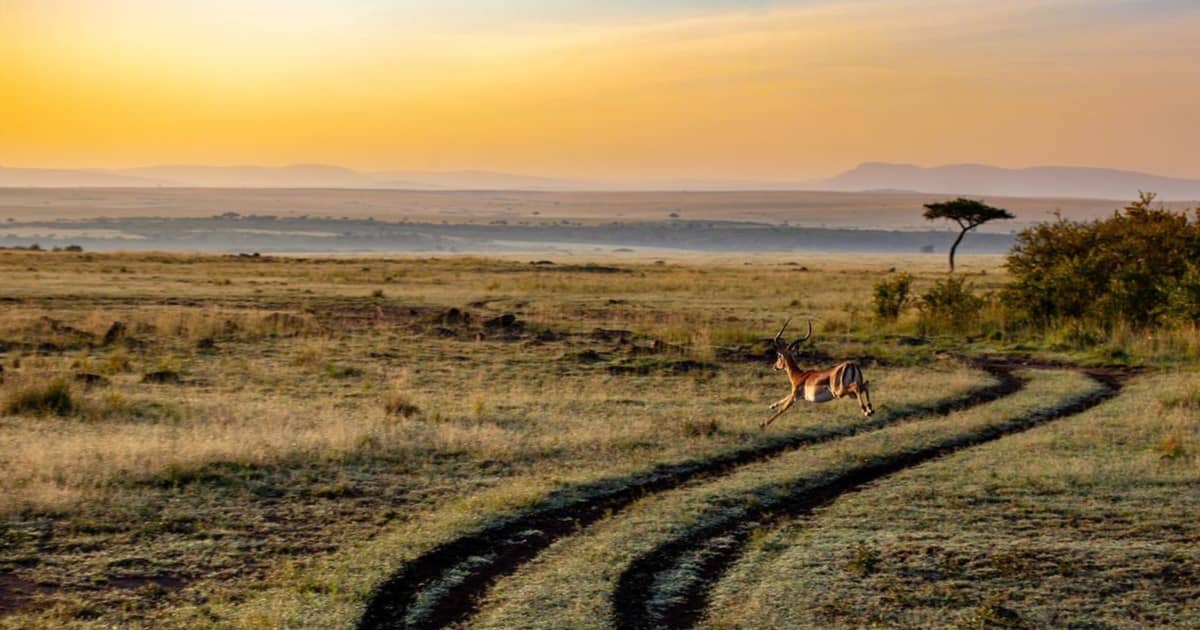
(816, 386)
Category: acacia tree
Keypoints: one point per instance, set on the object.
(967, 213)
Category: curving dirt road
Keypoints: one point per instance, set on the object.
(721, 543)
(443, 586)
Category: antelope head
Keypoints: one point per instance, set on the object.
(784, 350)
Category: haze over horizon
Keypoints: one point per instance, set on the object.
(963, 179)
(687, 89)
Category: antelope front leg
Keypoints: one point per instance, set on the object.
(775, 405)
(787, 404)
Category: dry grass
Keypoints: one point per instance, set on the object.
(56, 463)
(319, 433)
(400, 401)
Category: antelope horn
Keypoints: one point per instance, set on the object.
(776, 341)
(796, 344)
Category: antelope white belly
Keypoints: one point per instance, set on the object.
(818, 394)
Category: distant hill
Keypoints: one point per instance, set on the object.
(474, 180)
(56, 178)
(1038, 181)
(877, 177)
(293, 176)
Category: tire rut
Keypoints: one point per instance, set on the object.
(713, 549)
(443, 586)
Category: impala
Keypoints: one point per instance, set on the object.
(818, 386)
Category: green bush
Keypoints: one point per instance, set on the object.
(1183, 298)
(53, 397)
(892, 295)
(1136, 267)
(950, 305)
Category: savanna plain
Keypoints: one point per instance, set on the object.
(285, 441)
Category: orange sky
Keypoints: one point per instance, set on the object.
(716, 89)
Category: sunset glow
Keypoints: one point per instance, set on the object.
(765, 90)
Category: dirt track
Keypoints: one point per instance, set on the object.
(443, 586)
(724, 541)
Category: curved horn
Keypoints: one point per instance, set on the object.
(796, 344)
(779, 335)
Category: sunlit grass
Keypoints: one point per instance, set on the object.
(323, 433)
(1038, 529)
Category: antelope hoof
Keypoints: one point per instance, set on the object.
(772, 406)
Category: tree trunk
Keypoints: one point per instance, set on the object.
(955, 246)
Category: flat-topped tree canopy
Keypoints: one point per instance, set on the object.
(967, 213)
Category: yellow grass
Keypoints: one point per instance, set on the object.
(320, 433)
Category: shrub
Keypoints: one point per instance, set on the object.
(892, 295)
(53, 397)
(1183, 298)
(950, 304)
(1135, 267)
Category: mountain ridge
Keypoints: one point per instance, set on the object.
(963, 179)
(1034, 181)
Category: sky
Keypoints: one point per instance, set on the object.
(706, 89)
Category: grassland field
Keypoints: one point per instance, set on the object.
(879, 210)
(225, 441)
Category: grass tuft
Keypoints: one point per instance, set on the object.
(1171, 446)
(865, 561)
(398, 401)
(43, 399)
(693, 427)
(399, 404)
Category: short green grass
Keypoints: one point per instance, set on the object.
(1079, 523)
(592, 561)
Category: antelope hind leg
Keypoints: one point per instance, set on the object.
(867, 394)
(864, 401)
